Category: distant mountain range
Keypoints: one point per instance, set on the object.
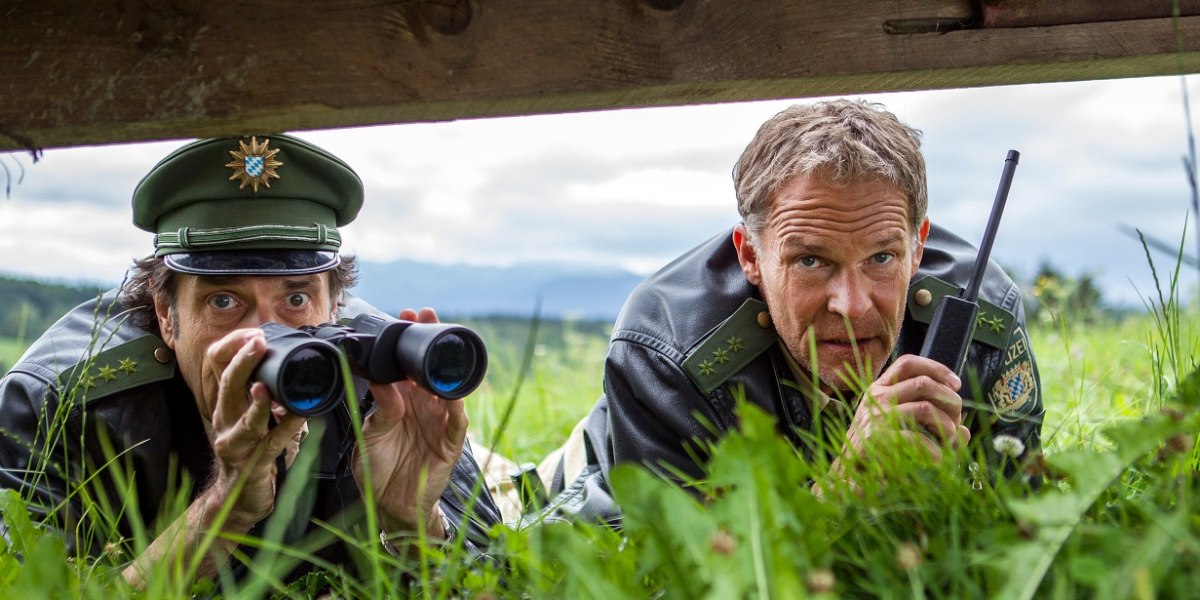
(456, 290)
(468, 291)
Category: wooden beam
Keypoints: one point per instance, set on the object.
(106, 71)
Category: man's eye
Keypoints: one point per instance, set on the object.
(222, 301)
(808, 262)
(297, 300)
(883, 258)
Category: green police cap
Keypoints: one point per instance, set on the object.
(259, 205)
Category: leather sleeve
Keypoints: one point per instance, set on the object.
(657, 416)
(25, 466)
(650, 414)
(466, 501)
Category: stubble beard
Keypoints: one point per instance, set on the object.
(845, 379)
(848, 379)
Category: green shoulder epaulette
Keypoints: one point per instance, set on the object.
(747, 333)
(137, 362)
(993, 325)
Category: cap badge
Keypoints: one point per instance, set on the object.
(254, 164)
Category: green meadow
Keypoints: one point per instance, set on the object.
(1118, 514)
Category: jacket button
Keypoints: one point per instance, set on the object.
(162, 355)
(923, 297)
(764, 319)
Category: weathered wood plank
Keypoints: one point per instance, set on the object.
(77, 73)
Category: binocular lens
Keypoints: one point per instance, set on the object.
(303, 367)
(451, 363)
(308, 380)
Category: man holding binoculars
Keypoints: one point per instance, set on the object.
(215, 358)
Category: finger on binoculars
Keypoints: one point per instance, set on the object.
(288, 429)
(256, 415)
(457, 421)
(231, 394)
(425, 315)
(389, 399)
(222, 352)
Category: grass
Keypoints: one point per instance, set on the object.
(1116, 519)
(1091, 374)
(1094, 375)
(563, 382)
(10, 351)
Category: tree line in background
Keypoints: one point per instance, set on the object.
(29, 307)
(1051, 295)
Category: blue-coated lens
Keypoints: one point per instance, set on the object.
(451, 363)
(306, 404)
(308, 380)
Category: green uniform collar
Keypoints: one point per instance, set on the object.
(737, 341)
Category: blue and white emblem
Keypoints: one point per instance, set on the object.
(1016, 390)
(254, 164)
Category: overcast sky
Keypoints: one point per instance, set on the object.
(634, 188)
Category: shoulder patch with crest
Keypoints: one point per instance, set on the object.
(1016, 390)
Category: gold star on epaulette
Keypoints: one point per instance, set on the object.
(996, 324)
(128, 366)
(721, 356)
(735, 344)
(706, 368)
(89, 382)
(108, 373)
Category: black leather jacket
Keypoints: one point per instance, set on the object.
(656, 394)
(94, 387)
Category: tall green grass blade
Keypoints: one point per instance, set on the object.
(1055, 515)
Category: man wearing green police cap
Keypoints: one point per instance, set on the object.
(148, 391)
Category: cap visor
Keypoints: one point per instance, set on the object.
(253, 262)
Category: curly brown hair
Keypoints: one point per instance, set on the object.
(151, 278)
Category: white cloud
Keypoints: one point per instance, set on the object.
(681, 189)
(636, 187)
(68, 241)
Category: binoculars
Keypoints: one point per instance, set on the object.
(302, 367)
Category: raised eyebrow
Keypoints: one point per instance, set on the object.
(219, 281)
(298, 284)
(800, 246)
(891, 240)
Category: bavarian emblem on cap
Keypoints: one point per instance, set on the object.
(254, 164)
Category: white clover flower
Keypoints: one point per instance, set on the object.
(1008, 445)
(908, 556)
(820, 581)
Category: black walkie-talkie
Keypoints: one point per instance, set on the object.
(953, 323)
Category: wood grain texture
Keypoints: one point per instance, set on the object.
(106, 71)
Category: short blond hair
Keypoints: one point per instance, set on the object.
(842, 141)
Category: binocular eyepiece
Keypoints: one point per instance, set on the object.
(302, 367)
